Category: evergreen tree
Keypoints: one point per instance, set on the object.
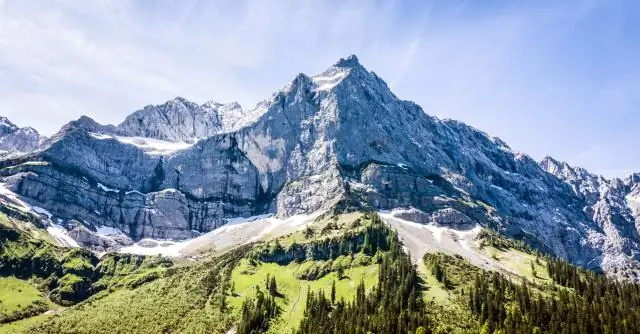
(394, 305)
(256, 314)
(273, 287)
(333, 292)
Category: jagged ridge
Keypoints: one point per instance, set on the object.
(320, 140)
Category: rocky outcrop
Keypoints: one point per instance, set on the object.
(16, 139)
(181, 120)
(81, 177)
(231, 117)
(338, 137)
(612, 205)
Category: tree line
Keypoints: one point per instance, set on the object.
(586, 303)
(394, 305)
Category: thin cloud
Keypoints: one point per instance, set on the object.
(540, 75)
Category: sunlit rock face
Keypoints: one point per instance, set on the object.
(15, 139)
(341, 138)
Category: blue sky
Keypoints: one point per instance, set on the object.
(559, 78)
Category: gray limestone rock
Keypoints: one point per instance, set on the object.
(340, 137)
(16, 139)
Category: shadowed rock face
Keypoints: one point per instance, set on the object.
(340, 137)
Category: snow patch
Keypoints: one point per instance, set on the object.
(61, 235)
(292, 223)
(168, 190)
(175, 248)
(57, 231)
(108, 231)
(422, 238)
(236, 232)
(496, 187)
(240, 220)
(13, 198)
(160, 247)
(134, 192)
(149, 146)
(107, 189)
(100, 136)
(329, 79)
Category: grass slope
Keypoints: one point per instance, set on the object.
(37, 276)
(16, 295)
(207, 297)
(24, 325)
(130, 294)
(293, 290)
(186, 300)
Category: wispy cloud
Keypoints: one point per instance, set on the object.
(107, 58)
(549, 77)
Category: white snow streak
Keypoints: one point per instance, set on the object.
(326, 81)
(107, 189)
(149, 146)
(236, 232)
(61, 235)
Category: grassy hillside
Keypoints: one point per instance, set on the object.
(342, 274)
(532, 294)
(37, 278)
(207, 297)
(292, 290)
(186, 299)
(311, 260)
(20, 299)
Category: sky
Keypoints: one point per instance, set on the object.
(558, 78)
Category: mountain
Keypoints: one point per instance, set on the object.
(335, 273)
(614, 205)
(340, 138)
(16, 139)
(332, 206)
(181, 120)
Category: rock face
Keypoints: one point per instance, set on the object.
(181, 120)
(337, 138)
(613, 205)
(16, 139)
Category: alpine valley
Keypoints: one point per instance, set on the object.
(330, 207)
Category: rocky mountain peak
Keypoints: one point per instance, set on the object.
(565, 171)
(177, 120)
(549, 162)
(582, 181)
(6, 126)
(348, 79)
(17, 139)
(230, 115)
(213, 104)
(350, 62)
(339, 136)
(89, 124)
(179, 102)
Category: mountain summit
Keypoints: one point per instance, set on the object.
(16, 139)
(337, 139)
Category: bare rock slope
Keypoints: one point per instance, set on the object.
(337, 138)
